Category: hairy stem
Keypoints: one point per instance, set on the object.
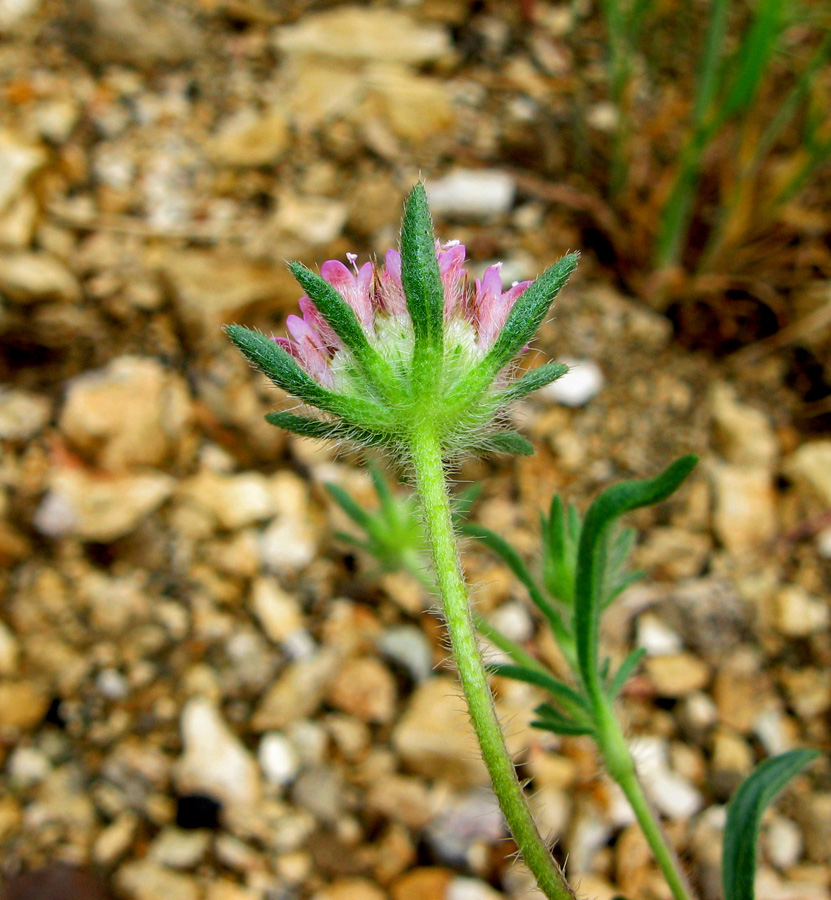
(621, 767)
(432, 488)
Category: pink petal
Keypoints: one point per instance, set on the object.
(313, 317)
(355, 290)
(310, 350)
(391, 293)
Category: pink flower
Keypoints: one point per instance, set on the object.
(376, 291)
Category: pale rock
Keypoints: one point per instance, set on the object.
(810, 468)
(677, 675)
(234, 501)
(146, 880)
(744, 518)
(250, 138)
(799, 614)
(18, 223)
(224, 889)
(94, 508)
(408, 646)
(768, 886)
(313, 220)
(19, 160)
(277, 611)
(288, 545)
(782, 842)
(732, 760)
(514, 620)
(28, 766)
(823, 543)
(776, 732)
(22, 705)
(364, 33)
(656, 637)
(468, 819)
(401, 798)
(315, 91)
(698, 712)
(56, 118)
(552, 809)
(814, 815)
(744, 435)
(278, 759)
(672, 553)
(114, 841)
(297, 693)
(36, 276)
(215, 762)
(9, 651)
(472, 193)
(365, 689)
(434, 737)
(133, 412)
(350, 889)
(673, 795)
(581, 384)
(13, 12)
(589, 832)
(110, 683)
(22, 414)
(211, 289)
(415, 107)
(461, 888)
(133, 33)
(177, 848)
(603, 116)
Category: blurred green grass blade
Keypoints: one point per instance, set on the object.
(744, 816)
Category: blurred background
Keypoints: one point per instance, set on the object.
(204, 694)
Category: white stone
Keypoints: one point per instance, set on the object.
(177, 848)
(363, 33)
(408, 646)
(783, 842)
(744, 435)
(215, 762)
(99, 509)
(144, 879)
(656, 637)
(112, 684)
(32, 277)
(18, 161)
(278, 759)
(744, 518)
(22, 414)
(514, 621)
(14, 11)
(672, 795)
(28, 766)
(277, 611)
(314, 220)
(799, 613)
(582, 383)
(288, 545)
(132, 412)
(810, 468)
(472, 193)
(470, 889)
(234, 500)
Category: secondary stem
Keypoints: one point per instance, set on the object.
(619, 763)
(432, 488)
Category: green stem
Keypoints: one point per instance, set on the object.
(619, 763)
(427, 461)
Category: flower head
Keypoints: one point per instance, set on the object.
(382, 350)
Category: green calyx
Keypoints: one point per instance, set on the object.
(386, 382)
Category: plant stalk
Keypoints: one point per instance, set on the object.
(620, 765)
(425, 449)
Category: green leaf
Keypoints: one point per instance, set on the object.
(561, 533)
(325, 431)
(627, 667)
(506, 645)
(528, 312)
(340, 317)
(274, 362)
(592, 556)
(350, 506)
(512, 559)
(567, 697)
(554, 721)
(504, 442)
(420, 273)
(533, 381)
(744, 816)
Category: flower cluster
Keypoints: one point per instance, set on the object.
(383, 351)
(376, 295)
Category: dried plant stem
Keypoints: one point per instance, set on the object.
(432, 489)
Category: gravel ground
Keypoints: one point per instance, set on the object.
(203, 694)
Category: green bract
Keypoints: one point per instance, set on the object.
(380, 351)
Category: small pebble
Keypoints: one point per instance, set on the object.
(578, 386)
(278, 758)
(474, 194)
